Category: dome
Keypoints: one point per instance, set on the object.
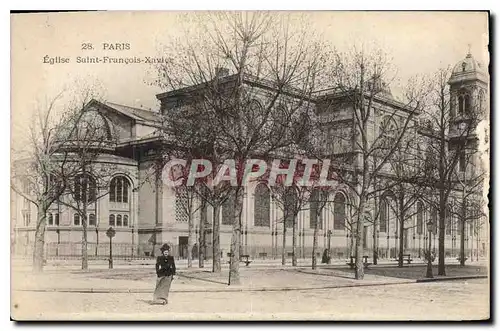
(88, 126)
(381, 87)
(468, 69)
(468, 64)
(92, 126)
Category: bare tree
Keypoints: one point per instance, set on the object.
(291, 200)
(358, 78)
(448, 130)
(42, 171)
(88, 134)
(247, 82)
(407, 182)
(319, 197)
(468, 202)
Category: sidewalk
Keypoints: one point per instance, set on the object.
(141, 279)
(65, 265)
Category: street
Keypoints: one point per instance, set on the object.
(449, 300)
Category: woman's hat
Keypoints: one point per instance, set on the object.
(165, 247)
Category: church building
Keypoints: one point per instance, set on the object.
(145, 213)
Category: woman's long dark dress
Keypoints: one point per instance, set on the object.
(165, 270)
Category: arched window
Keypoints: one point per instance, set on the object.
(388, 127)
(460, 105)
(119, 189)
(454, 223)
(464, 102)
(467, 106)
(181, 205)
(313, 207)
(420, 218)
(481, 99)
(384, 215)
(50, 220)
(434, 221)
(339, 212)
(76, 219)
(290, 206)
(92, 220)
(447, 230)
(262, 206)
(119, 197)
(462, 162)
(84, 188)
(90, 126)
(26, 218)
(387, 133)
(316, 198)
(111, 220)
(228, 210)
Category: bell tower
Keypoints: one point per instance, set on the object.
(469, 138)
(468, 89)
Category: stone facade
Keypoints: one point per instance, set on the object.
(154, 213)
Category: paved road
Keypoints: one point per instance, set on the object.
(453, 300)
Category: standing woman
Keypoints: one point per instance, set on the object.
(165, 270)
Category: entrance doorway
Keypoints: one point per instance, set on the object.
(183, 247)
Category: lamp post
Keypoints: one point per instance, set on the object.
(429, 261)
(348, 251)
(110, 233)
(453, 242)
(96, 240)
(329, 233)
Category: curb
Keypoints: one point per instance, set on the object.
(228, 289)
(261, 289)
(448, 278)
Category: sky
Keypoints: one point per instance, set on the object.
(418, 42)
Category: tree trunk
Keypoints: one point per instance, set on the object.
(477, 241)
(442, 215)
(375, 233)
(234, 265)
(85, 255)
(462, 233)
(294, 241)
(429, 261)
(352, 242)
(202, 241)
(216, 265)
(190, 239)
(359, 271)
(283, 251)
(472, 242)
(84, 200)
(401, 231)
(39, 246)
(315, 238)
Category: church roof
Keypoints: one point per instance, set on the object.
(467, 65)
(135, 113)
(468, 69)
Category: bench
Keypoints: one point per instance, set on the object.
(352, 262)
(406, 257)
(262, 255)
(243, 258)
(465, 258)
